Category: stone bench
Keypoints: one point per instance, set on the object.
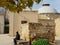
(52, 43)
(22, 42)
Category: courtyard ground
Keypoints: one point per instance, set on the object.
(6, 40)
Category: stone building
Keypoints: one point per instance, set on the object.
(20, 22)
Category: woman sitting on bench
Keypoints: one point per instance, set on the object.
(16, 38)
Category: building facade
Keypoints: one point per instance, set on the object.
(20, 21)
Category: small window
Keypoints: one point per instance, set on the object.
(23, 22)
(46, 4)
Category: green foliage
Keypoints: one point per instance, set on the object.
(41, 42)
(21, 4)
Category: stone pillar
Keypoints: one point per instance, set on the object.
(11, 18)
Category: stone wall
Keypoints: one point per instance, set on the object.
(16, 18)
(44, 29)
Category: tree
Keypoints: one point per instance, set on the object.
(17, 5)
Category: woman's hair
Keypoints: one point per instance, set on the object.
(17, 32)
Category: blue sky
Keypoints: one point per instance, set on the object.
(54, 3)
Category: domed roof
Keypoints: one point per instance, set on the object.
(46, 8)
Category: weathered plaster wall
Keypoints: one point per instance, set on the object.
(57, 27)
(1, 24)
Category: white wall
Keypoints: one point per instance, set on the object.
(57, 27)
(1, 24)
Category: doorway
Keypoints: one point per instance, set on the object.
(6, 26)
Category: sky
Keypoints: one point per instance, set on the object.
(54, 3)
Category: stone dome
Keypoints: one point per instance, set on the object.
(46, 8)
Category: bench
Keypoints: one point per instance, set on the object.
(22, 42)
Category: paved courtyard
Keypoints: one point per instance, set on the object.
(6, 40)
(57, 40)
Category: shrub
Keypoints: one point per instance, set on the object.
(41, 42)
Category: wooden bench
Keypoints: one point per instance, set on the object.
(22, 42)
